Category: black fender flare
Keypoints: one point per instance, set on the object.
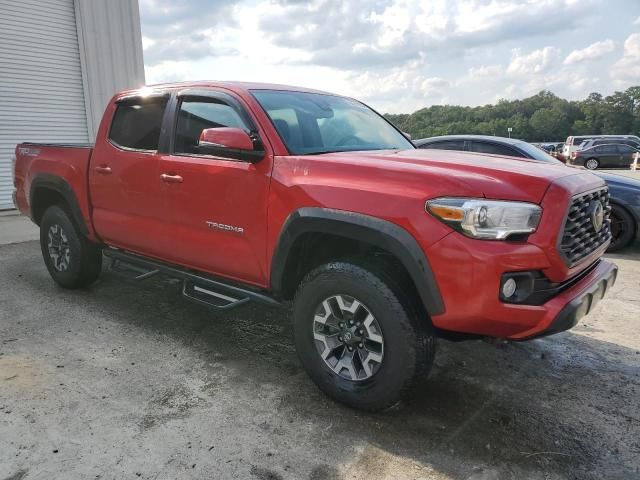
(375, 231)
(59, 185)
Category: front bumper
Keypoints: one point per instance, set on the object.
(469, 274)
(603, 278)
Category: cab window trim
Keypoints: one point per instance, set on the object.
(140, 99)
(206, 96)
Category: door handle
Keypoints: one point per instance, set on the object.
(103, 169)
(171, 178)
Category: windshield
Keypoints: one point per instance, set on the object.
(311, 123)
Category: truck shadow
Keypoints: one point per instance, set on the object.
(566, 405)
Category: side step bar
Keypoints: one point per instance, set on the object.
(214, 293)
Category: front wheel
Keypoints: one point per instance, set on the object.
(359, 341)
(72, 260)
(592, 163)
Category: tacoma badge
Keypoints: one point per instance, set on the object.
(227, 228)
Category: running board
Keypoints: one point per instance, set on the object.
(214, 293)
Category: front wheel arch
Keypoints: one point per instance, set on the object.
(372, 232)
(633, 227)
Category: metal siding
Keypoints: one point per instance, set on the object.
(59, 68)
(110, 51)
(41, 89)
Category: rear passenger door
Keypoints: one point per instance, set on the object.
(126, 195)
(626, 155)
(608, 155)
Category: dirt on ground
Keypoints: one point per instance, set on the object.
(127, 380)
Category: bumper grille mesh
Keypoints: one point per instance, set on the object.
(580, 237)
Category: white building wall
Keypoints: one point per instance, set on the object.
(110, 52)
(60, 62)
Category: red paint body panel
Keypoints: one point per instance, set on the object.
(193, 220)
(69, 163)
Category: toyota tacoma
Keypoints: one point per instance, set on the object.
(290, 196)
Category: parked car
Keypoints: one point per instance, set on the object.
(263, 193)
(625, 209)
(624, 192)
(511, 147)
(574, 143)
(608, 155)
(551, 148)
(594, 142)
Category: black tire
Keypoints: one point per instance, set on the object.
(409, 342)
(592, 163)
(623, 228)
(83, 262)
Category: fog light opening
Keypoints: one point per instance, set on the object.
(509, 288)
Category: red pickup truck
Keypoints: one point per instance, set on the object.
(264, 193)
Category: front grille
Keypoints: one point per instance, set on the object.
(580, 238)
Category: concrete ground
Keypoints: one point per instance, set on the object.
(15, 228)
(132, 381)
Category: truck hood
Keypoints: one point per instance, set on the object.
(474, 174)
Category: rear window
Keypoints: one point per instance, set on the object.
(136, 123)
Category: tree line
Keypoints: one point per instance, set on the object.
(543, 117)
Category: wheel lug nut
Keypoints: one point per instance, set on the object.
(341, 324)
(350, 348)
(360, 331)
(360, 345)
(340, 338)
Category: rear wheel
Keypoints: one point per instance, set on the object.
(592, 163)
(72, 260)
(361, 342)
(623, 228)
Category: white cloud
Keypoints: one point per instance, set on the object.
(626, 71)
(398, 55)
(403, 89)
(537, 61)
(485, 71)
(592, 52)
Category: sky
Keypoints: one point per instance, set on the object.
(399, 55)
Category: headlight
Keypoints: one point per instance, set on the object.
(486, 219)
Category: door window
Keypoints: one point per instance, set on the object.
(606, 149)
(197, 115)
(136, 123)
(493, 148)
(445, 145)
(625, 149)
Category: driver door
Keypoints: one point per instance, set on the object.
(216, 207)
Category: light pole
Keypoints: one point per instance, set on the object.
(509, 129)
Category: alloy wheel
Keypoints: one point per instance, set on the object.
(348, 338)
(59, 249)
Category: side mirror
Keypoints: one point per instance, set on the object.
(408, 135)
(228, 142)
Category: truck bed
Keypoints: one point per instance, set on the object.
(57, 167)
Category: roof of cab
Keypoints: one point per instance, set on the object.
(233, 86)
